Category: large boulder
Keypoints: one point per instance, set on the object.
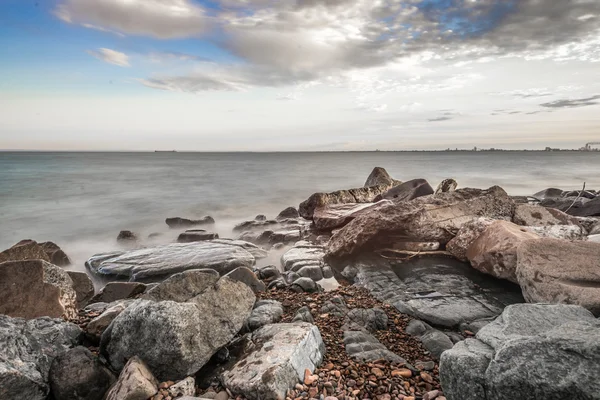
(359, 195)
(466, 235)
(302, 255)
(177, 339)
(566, 232)
(333, 216)
(36, 288)
(158, 262)
(114, 291)
(275, 360)
(79, 375)
(83, 286)
(136, 382)
(27, 349)
(245, 275)
(407, 191)
(425, 219)
(494, 252)
(558, 271)
(589, 208)
(183, 286)
(31, 250)
(533, 215)
(288, 213)
(530, 352)
(265, 312)
(379, 176)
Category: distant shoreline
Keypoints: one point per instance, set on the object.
(299, 151)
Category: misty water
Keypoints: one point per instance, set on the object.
(82, 200)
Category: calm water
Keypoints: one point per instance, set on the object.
(82, 200)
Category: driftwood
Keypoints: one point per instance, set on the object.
(411, 254)
(577, 198)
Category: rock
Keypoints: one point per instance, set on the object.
(532, 215)
(183, 286)
(79, 375)
(56, 255)
(303, 314)
(373, 319)
(288, 213)
(327, 272)
(268, 273)
(305, 285)
(402, 245)
(380, 177)
(551, 193)
(466, 235)
(290, 277)
(24, 250)
(447, 185)
(442, 291)
(186, 387)
(127, 236)
(265, 312)
(257, 252)
(246, 276)
(532, 351)
(336, 306)
(300, 256)
(185, 335)
(425, 219)
(83, 286)
(278, 284)
(558, 271)
(162, 261)
(96, 327)
(435, 341)
(178, 222)
(136, 382)
(275, 359)
(333, 216)
(36, 288)
(260, 217)
(565, 232)
(590, 208)
(407, 191)
(27, 349)
(363, 346)
(494, 252)
(196, 235)
(313, 272)
(114, 291)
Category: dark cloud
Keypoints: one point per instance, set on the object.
(439, 119)
(573, 103)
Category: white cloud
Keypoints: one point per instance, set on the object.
(111, 56)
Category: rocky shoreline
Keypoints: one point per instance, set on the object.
(392, 291)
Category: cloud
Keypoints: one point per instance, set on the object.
(439, 119)
(573, 103)
(167, 56)
(163, 19)
(111, 56)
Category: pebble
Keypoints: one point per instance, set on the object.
(431, 395)
(405, 373)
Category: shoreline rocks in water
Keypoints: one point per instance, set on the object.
(178, 222)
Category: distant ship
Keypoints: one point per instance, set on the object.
(165, 151)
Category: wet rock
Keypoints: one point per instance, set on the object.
(313, 272)
(531, 351)
(136, 382)
(425, 219)
(260, 217)
(327, 272)
(305, 285)
(288, 213)
(268, 273)
(447, 185)
(372, 319)
(178, 222)
(162, 261)
(196, 235)
(363, 346)
(551, 193)
(27, 349)
(435, 341)
(79, 375)
(36, 288)
(494, 252)
(245, 275)
(265, 312)
(333, 216)
(442, 291)
(466, 235)
(114, 291)
(303, 314)
(379, 176)
(558, 271)
(126, 236)
(183, 286)
(278, 283)
(302, 255)
(185, 335)
(533, 215)
(407, 191)
(275, 360)
(83, 286)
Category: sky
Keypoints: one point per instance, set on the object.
(298, 75)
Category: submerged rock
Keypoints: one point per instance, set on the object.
(27, 349)
(177, 222)
(127, 236)
(161, 261)
(36, 288)
(558, 271)
(275, 359)
(288, 213)
(196, 235)
(530, 352)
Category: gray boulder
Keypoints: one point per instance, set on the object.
(196, 235)
(305, 285)
(177, 222)
(177, 339)
(363, 346)
(79, 375)
(136, 382)
(530, 352)
(334, 216)
(288, 213)
(371, 319)
(36, 288)
(27, 350)
(303, 315)
(435, 341)
(96, 327)
(407, 191)
(302, 255)
(313, 272)
(359, 195)
(162, 261)
(379, 176)
(114, 291)
(83, 286)
(183, 286)
(245, 275)
(534, 215)
(274, 361)
(265, 312)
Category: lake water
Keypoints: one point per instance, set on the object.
(82, 200)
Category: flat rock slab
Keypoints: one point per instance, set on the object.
(334, 216)
(275, 360)
(300, 256)
(160, 261)
(441, 291)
